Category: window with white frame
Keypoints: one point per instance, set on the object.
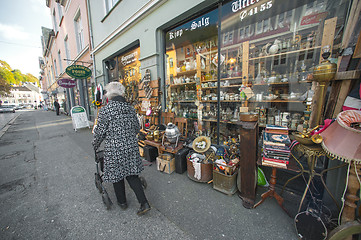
(60, 11)
(54, 22)
(67, 52)
(79, 32)
(60, 64)
(56, 70)
(109, 4)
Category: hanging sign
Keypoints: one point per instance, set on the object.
(66, 83)
(79, 117)
(78, 71)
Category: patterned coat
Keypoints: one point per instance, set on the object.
(118, 125)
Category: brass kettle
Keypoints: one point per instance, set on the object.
(325, 71)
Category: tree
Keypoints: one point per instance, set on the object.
(18, 76)
(6, 77)
(30, 78)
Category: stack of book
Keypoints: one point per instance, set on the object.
(276, 146)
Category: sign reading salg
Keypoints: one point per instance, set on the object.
(78, 71)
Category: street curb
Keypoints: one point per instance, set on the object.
(4, 129)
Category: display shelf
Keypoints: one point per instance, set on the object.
(190, 72)
(231, 86)
(224, 101)
(232, 78)
(184, 101)
(182, 84)
(277, 101)
(211, 80)
(280, 83)
(286, 53)
(209, 87)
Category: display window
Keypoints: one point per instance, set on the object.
(129, 73)
(125, 68)
(270, 48)
(191, 61)
(267, 52)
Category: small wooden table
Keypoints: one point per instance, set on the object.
(154, 144)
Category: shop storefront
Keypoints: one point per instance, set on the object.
(125, 68)
(267, 51)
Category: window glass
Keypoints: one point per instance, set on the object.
(129, 73)
(191, 72)
(79, 33)
(269, 49)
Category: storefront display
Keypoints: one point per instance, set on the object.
(267, 55)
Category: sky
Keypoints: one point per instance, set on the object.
(20, 33)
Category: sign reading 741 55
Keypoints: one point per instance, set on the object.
(78, 71)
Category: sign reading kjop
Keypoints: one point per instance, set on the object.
(78, 71)
(66, 83)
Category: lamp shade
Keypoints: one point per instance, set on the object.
(342, 141)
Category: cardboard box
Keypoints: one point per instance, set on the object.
(167, 166)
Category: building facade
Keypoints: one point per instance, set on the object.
(28, 96)
(67, 44)
(216, 60)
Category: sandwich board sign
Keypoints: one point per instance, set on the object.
(79, 117)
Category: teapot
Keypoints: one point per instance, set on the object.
(172, 133)
(275, 47)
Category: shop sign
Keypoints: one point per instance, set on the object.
(79, 117)
(130, 58)
(66, 83)
(207, 20)
(313, 18)
(249, 9)
(78, 71)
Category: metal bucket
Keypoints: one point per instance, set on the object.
(206, 173)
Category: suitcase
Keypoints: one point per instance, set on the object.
(150, 153)
(181, 160)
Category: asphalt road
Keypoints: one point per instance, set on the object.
(47, 191)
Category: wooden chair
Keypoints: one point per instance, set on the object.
(167, 117)
(181, 123)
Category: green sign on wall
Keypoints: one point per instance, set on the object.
(78, 71)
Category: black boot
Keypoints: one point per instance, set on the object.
(145, 207)
(123, 205)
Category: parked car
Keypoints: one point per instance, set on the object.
(7, 109)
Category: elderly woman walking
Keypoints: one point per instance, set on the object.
(118, 125)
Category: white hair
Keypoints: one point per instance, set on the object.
(114, 89)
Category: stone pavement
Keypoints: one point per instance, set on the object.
(47, 191)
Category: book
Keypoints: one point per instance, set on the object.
(276, 129)
(275, 156)
(274, 139)
(274, 164)
(275, 160)
(275, 148)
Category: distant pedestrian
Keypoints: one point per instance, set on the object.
(56, 106)
(118, 125)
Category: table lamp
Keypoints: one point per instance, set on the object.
(342, 141)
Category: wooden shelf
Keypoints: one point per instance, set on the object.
(277, 101)
(212, 80)
(224, 101)
(285, 53)
(181, 84)
(231, 86)
(232, 78)
(194, 71)
(184, 101)
(209, 87)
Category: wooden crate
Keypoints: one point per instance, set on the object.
(167, 166)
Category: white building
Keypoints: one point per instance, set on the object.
(27, 95)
